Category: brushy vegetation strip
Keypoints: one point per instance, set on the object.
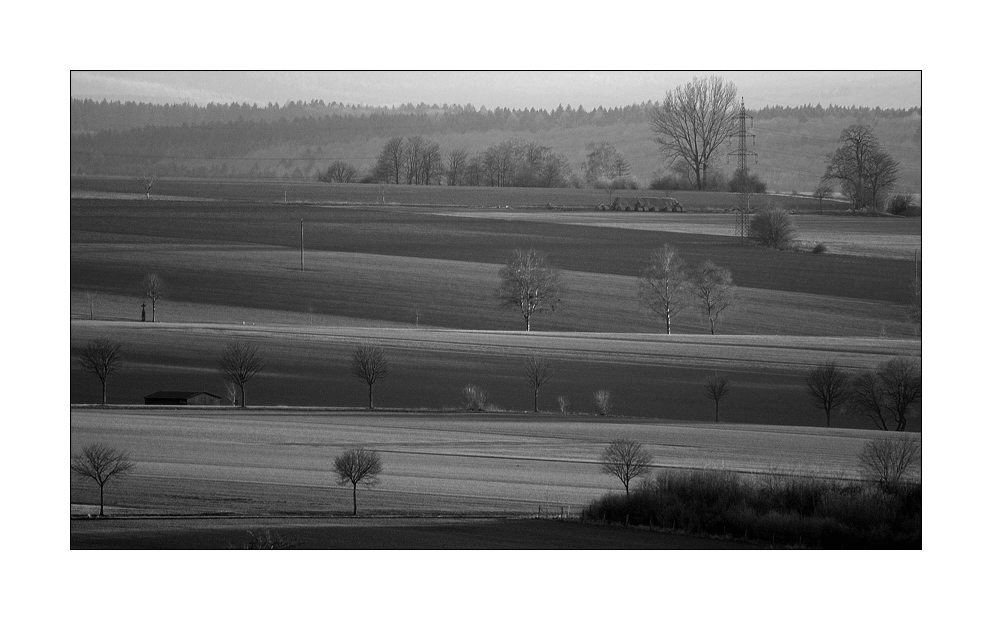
(790, 511)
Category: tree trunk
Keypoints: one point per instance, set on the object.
(354, 498)
(828, 417)
(717, 410)
(153, 309)
(242, 395)
(535, 400)
(712, 326)
(103, 392)
(370, 398)
(101, 500)
(668, 323)
(527, 321)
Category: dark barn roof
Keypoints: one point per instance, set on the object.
(168, 394)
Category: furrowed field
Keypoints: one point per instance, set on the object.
(415, 272)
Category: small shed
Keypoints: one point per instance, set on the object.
(182, 398)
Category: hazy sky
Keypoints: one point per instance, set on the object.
(514, 89)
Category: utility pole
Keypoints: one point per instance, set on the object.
(301, 246)
(742, 225)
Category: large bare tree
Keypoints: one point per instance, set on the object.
(358, 465)
(626, 459)
(457, 162)
(693, 121)
(865, 172)
(101, 464)
(664, 285)
(538, 371)
(529, 284)
(390, 164)
(828, 386)
(713, 288)
(886, 393)
(716, 387)
(369, 363)
(154, 289)
(101, 357)
(239, 362)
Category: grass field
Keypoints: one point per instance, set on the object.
(229, 255)
(273, 461)
(416, 276)
(650, 375)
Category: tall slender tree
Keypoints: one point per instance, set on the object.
(664, 285)
(101, 358)
(370, 364)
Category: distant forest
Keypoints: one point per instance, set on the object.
(300, 140)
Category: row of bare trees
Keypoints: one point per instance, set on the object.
(530, 285)
(102, 464)
(419, 161)
(238, 363)
(884, 394)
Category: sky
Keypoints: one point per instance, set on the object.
(513, 89)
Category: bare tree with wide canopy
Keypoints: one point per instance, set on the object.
(626, 459)
(829, 387)
(529, 284)
(239, 362)
(358, 465)
(865, 172)
(693, 121)
(101, 463)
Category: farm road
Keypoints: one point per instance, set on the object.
(363, 533)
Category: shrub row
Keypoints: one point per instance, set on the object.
(779, 510)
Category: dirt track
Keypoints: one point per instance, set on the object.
(455, 533)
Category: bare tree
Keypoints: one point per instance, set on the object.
(885, 394)
(457, 161)
(101, 357)
(626, 459)
(828, 386)
(886, 461)
(358, 465)
(664, 285)
(713, 288)
(529, 284)
(716, 387)
(154, 288)
(693, 121)
(369, 364)
(101, 463)
(391, 161)
(864, 171)
(239, 362)
(822, 190)
(537, 371)
(147, 182)
(603, 401)
(90, 300)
